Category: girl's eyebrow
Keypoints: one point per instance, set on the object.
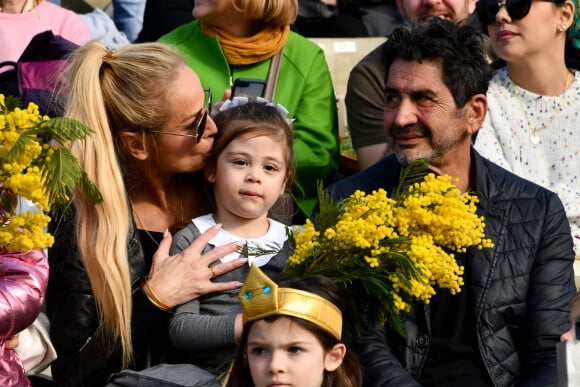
(237, 153)
(256, 342)
(299, 343)
(289, 344)
(242, 152)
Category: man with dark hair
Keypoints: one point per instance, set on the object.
(364, 96)
(501, 329)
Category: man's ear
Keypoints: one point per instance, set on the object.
(333, 358)
(134, 144)
(475, 113)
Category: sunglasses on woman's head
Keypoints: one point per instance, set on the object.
(516, 9)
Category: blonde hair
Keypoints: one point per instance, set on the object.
(270, 12)
(111, 92)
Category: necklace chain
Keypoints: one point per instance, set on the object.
(143, 225)
(535, 137)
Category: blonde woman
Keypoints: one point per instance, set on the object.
(113, 285)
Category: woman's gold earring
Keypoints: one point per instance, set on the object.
(561, 28)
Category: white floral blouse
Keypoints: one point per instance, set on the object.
(536, 137)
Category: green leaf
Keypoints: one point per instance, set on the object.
(411, 174)
(24, 138)
(329, 211)
(7, 200)
(62, 130)
(368, 290)
(11, 102)
(251, 250)
(89, 188)
(63, 174)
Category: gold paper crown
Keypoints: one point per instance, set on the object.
(261, 297)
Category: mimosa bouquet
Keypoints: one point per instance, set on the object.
(389, 252)
(35, 165)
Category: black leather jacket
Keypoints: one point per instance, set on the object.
(523, 286)
(85, 357)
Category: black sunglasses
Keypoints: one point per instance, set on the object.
(200, 127)
(516, 9)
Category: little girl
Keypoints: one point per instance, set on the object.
(292, 335)
(249, 169)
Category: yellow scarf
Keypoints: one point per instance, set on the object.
(257, 48)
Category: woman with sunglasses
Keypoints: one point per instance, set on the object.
(534, 96)
(113, 285)
(234, 39)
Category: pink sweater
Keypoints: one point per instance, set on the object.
(23, 281)
(16, 30)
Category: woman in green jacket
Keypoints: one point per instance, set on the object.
(233, 39)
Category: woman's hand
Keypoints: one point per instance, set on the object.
(183, 277)
(574, 316)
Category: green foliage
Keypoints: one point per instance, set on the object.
(414, 173)
(61, 170)
(367, 291)
(328, 211)
(388, 253)
(7, 200)
(346, 147)
(11, 102)
(24, 138)
(63, 174)
(250, 250)
(62, 130)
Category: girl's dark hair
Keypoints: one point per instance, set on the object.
(349, 374)
(255, 118)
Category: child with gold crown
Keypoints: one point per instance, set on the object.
(292, 334)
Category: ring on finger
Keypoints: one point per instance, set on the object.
(213, 274)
